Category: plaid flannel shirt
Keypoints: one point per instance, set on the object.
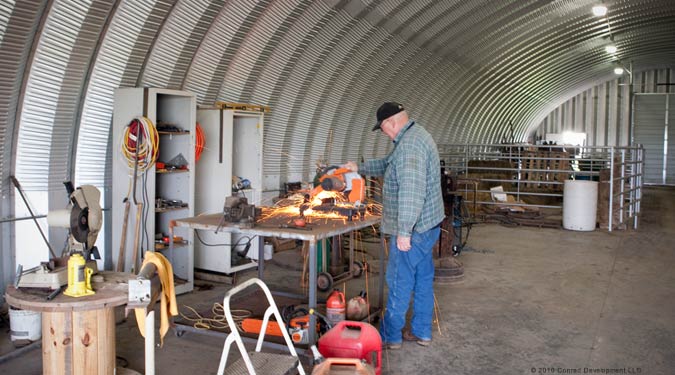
(412, 197)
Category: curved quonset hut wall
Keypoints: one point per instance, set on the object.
(465, 69)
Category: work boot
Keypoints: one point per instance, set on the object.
(393, 345)
(408, 336)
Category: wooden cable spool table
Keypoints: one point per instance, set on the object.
(78, 334)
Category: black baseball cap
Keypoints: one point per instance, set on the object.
(387, 110)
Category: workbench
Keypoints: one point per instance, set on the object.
(78, 334)
(319, 229)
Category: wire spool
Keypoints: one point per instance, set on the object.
(145, 152)
(200, 142)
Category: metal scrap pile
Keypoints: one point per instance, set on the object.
(525, 218)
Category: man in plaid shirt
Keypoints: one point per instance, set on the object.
(413, 211)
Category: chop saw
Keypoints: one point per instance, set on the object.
(83, 218)
(341, 180)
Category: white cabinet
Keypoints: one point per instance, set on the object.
(166, 194)
(233, 147)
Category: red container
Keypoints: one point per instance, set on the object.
(353, 340)
(335, 306)
(343, 366)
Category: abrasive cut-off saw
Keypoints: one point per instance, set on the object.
(83, 218)
(341, 180)
(334, 178)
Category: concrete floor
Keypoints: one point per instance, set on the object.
(533, 300)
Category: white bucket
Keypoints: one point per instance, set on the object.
(25, 325)
(268, 251)
(580, 205)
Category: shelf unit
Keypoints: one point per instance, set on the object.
(234, 140)
(162, 210)
(161, 106)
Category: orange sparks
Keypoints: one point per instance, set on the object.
(290, 207)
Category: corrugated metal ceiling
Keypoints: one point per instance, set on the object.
(465, 69)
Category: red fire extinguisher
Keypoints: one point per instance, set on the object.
(335, 306)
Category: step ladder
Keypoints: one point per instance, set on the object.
(257, 362)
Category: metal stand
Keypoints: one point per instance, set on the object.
(325, 280)
(144, 292)
(320, 231)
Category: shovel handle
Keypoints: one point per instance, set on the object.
(123, 240)
(137, 234)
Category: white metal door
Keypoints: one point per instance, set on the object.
(650, 130)
(670, 126)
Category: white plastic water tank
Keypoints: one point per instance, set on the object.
(580, 205)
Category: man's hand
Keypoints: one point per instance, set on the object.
(403, 243)
(351, 166)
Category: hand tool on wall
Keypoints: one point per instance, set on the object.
(140, 149)
(123, 241)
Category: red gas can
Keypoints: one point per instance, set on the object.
(353, 340)
(335, 306)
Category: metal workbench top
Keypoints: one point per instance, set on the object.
(318, 229)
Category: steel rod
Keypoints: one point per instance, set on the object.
(30, 210)
(150, 343)
(611, 188)
(261, 259)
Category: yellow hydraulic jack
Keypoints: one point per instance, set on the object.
(79, 277)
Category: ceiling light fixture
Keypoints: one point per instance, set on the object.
(599, 10)
(620, 69)
(611, 49)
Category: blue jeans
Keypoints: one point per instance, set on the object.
(408, 272)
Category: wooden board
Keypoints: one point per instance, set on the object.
(79, 342)
(85, 342)
(106, 342)
(243, 106)
(113, 291)
(56, 343)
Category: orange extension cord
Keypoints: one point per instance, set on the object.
(200, 141)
